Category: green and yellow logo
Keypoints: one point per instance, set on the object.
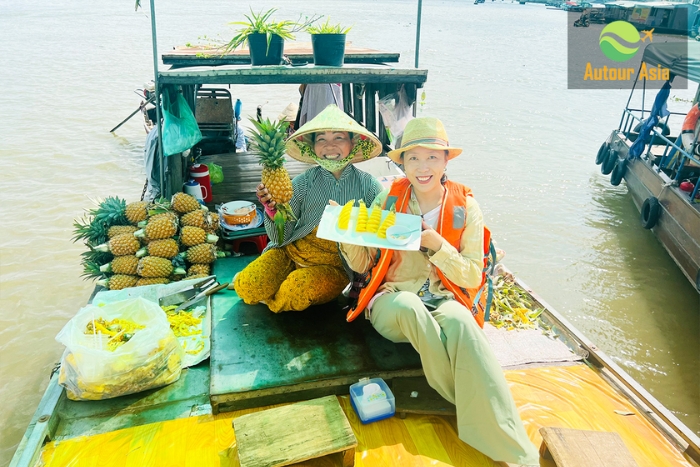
(611, 37)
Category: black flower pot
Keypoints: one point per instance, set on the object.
(260, 54)
(329, 49)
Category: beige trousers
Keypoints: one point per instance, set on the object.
(460, 365)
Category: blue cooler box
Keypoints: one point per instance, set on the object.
(372, 400)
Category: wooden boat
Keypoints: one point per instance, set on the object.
(654, 179)
(260, 359)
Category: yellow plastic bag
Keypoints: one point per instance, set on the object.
(95, 366)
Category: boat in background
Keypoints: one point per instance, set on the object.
(664, 179)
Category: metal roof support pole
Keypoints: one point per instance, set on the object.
(629, 99)
(420, 9)
(161, 159)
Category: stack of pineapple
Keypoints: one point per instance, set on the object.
(144, 243)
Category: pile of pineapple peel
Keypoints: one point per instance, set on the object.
(513, 307)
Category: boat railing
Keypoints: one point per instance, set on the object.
(674, 157)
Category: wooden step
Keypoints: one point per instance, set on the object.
(583, 448)
(295, 433)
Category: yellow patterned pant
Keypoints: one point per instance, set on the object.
(293, 277)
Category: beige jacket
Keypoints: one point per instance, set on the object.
(409, 270)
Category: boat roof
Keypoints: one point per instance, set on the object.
(682, 58)
(290, 74)
(620, 4)
(299, 53)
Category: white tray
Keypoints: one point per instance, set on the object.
(328, 229)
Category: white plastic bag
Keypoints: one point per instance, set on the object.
(150, 358)
(396, 113)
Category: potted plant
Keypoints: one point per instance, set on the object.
(265, 36)
(328, 43)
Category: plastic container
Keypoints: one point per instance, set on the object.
(238, 212)
(200, 174)
(372, 400)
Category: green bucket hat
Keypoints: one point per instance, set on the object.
(426, 132)
(300, 144)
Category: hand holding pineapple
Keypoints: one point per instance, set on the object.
(268, 141)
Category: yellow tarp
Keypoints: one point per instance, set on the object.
(572, 396)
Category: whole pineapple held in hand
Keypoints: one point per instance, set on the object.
(268, 142)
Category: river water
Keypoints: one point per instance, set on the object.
(497, 77)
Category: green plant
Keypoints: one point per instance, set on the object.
(327, 28)
(261, 23)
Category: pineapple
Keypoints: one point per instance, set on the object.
(191, 236)
(121, 245)
(201, 254)
(120, 229)
(121, 265)
(388, 222)
(268, 143)
(198, 276)
(198, 269)
(160, 215)
(362, 216)
(151, 281)
(136, 212)
(118, 282)
(199, 218)
(92, 227)
(152, 266)
(167, 248)
(184, 203)
(158, 229)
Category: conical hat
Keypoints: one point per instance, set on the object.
(332, 118)
(289, 114)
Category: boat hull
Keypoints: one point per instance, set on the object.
(678, 226)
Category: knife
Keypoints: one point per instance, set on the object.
(187, 293)
(201, 295)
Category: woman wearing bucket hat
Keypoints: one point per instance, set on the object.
(301, 270)
(425, 297)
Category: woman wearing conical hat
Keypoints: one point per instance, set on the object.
(301, 270)
(430, 297)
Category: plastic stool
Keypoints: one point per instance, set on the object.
(260, 242)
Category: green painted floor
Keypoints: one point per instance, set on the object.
(255, 352)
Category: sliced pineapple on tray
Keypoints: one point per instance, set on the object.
(358, 226)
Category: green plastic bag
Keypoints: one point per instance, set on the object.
(216, 173)
(180, 128)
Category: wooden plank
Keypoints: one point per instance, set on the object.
(297, 52)
(583, 448)
(357, 92)
(259, 357)
(347, 98)
(282, 74)
(414, 395)
(371, 107)
(294, 433)
(242, 171)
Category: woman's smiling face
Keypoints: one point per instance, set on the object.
(424, 167)
(332, 145)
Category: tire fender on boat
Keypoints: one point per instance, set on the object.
(609, 163)
(618, 172)
(650, 212)
(602, 152)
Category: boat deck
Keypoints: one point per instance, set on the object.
(573, 396)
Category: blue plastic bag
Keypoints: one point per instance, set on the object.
(180, 128)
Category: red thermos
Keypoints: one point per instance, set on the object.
(200, 173)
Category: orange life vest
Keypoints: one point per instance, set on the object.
(691, 119)
(453, 207)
